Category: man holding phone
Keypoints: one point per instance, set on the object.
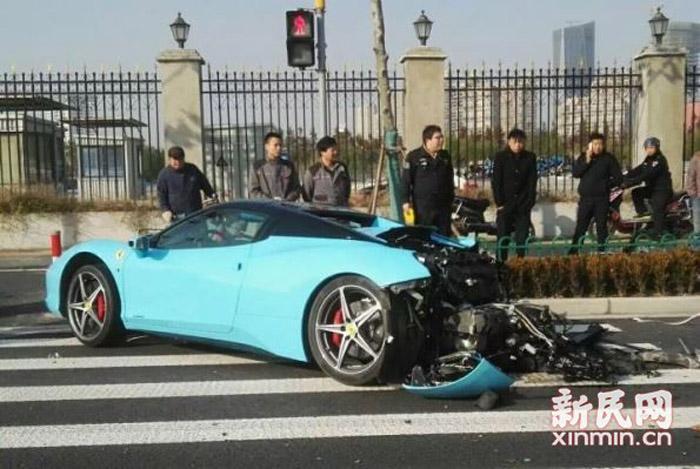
(598, 171)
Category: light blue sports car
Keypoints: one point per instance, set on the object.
(355, 293)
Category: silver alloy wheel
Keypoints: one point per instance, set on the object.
(84, 309)
(359, 326)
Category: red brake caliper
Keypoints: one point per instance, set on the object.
(101, 306)
(337, 319)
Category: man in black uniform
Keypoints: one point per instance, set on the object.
(658, 187)
(514, 185)
(328, 181)
(428, 182)
(274, 177)
(598, 171)
(179, 185)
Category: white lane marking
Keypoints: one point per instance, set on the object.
(18, 343)
(125, 361)
(9, 332)
(671, 376)
(645, 346)
(180, 389)
(610, 327)
(23, 269)
(198, 431)
(274, 386)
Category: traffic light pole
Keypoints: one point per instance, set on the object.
(320, 8)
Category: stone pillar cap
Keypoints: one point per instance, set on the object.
(661, 51)
(423, 53)
(180, 55)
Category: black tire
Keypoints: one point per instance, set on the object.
(93, 320)
(356, 367)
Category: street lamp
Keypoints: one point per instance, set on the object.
(423, 25)
(658, 24)
(180, 29)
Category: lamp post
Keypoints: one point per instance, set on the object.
(658, 25)
(423, 25)
(180, 29)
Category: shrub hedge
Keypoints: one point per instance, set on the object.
(675, 272)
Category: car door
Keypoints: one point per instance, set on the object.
(189, 280)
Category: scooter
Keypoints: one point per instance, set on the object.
(468, 217)
(679, 216)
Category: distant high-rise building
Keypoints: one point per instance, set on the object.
(574, 46)
(682, 34)
(574, 50)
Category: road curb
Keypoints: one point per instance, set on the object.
(613, 307)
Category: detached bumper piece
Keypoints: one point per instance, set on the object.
(457, 376)
(485, 342)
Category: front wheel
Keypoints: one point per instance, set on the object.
(92, 306)
(348, 330)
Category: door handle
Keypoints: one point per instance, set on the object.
(240, 266)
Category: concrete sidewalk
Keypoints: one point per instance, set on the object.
(622, 307)
(25, 259)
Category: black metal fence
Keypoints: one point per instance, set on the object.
(557, 109)
(691, 142)
(88, 135)
(239, 108)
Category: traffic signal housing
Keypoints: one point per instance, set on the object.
(301, 40)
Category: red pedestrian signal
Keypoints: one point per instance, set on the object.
(301, 43)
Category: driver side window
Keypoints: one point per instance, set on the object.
(214, 228)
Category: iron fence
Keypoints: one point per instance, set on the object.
(562, 246)
(240, 108)
(691, 142)
(556, 108)
(87, 135)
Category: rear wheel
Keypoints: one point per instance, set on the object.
(92, 306)
(348, 330)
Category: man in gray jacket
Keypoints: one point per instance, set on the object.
(328, 181)
(273, 177)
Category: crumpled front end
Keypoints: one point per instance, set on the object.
(464, 334)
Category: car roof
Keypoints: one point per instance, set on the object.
(295, 218)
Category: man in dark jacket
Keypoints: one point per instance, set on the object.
(327, 182)
(598, 171)
(658, 187)
(179, 185)
(514, 185)
(428, 182)
(274, 177)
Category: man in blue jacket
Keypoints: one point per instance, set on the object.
(179, 186)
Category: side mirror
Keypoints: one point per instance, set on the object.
(141, 244)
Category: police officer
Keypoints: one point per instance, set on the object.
(514, 185)
(179, 185)
(598, 171)
(327, 182)
(658, 187)
(428, 182)
(274, 177)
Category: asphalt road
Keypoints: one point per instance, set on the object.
(160, 403)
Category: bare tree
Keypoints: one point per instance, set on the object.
(387, 119)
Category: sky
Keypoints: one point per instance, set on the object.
(250, 35)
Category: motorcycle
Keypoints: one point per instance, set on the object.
(678, 218)
(468, 217)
